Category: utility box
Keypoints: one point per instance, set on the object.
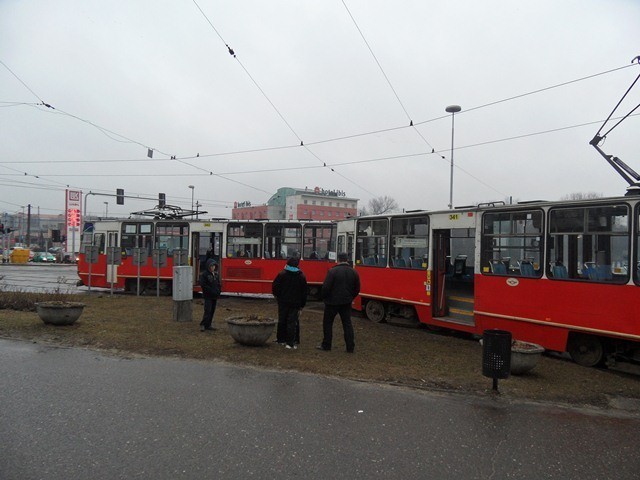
(182, 294)
(182, 283)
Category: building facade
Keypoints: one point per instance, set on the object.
(299, 204)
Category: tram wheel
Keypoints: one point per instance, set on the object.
(586, 350)
(375, 311)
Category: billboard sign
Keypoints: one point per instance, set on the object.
(73, 210)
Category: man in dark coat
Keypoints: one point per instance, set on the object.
(211, 288)
(340, 287)
(290, 289)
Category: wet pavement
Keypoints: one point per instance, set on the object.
(70, 413)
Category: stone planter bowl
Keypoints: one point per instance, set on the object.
(251, 330)
(59, 313)
(524, 356)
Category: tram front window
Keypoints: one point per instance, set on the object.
(172, 236)
(136, 235)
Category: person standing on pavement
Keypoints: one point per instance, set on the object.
(290, 290)
(340, 287)
(211, 289)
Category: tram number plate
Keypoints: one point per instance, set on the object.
(454, 216)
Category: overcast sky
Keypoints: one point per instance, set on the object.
(157, 74)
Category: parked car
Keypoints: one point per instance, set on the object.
(43, 257)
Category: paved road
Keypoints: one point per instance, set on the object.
(39, 277)
(77, 414)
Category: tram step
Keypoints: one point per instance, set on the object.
(461, 303)
(403, 322)
(460, 320)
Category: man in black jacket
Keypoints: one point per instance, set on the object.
(290, 289)
(340, 287)
(211, 288)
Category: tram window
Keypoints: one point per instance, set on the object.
(172, 236)
(409, 242)
(636, 267)
(283, 240)
(318, 241)
(136, 235)
(92, 238)
(371, 243)
(512, 241)
(589, 244)
(244, 240)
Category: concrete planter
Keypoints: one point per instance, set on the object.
(524, 356)
(59, 313)
(251, 330)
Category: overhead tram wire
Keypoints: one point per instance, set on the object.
(415, 129)
(284, 169)
(264, 94)
(386, 77)
(106, 132)
(317, 142)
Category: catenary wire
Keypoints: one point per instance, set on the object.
(328, 140)
(264, 94)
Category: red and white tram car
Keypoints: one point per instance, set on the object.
(250, 253)
(565, 275)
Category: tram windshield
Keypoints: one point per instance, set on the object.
(172, 236)
(136, 235)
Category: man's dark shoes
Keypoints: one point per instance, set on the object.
(320, 347)
(210, 328)
(202, 328)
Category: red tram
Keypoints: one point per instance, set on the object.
(565, 275)
(250, 253)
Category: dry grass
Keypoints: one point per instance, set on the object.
(384, 353)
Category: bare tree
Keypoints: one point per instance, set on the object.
(380, 205)
(581, 196)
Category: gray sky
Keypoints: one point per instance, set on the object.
(157, 73)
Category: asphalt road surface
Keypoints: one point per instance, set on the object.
(70, 413)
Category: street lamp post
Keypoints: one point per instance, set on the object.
(452, 109)
(198, 205)
(192, 187)
(106, 209)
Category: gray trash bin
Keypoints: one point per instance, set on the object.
(496, 355)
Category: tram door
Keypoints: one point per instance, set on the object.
(201, 243)
(441, 266)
